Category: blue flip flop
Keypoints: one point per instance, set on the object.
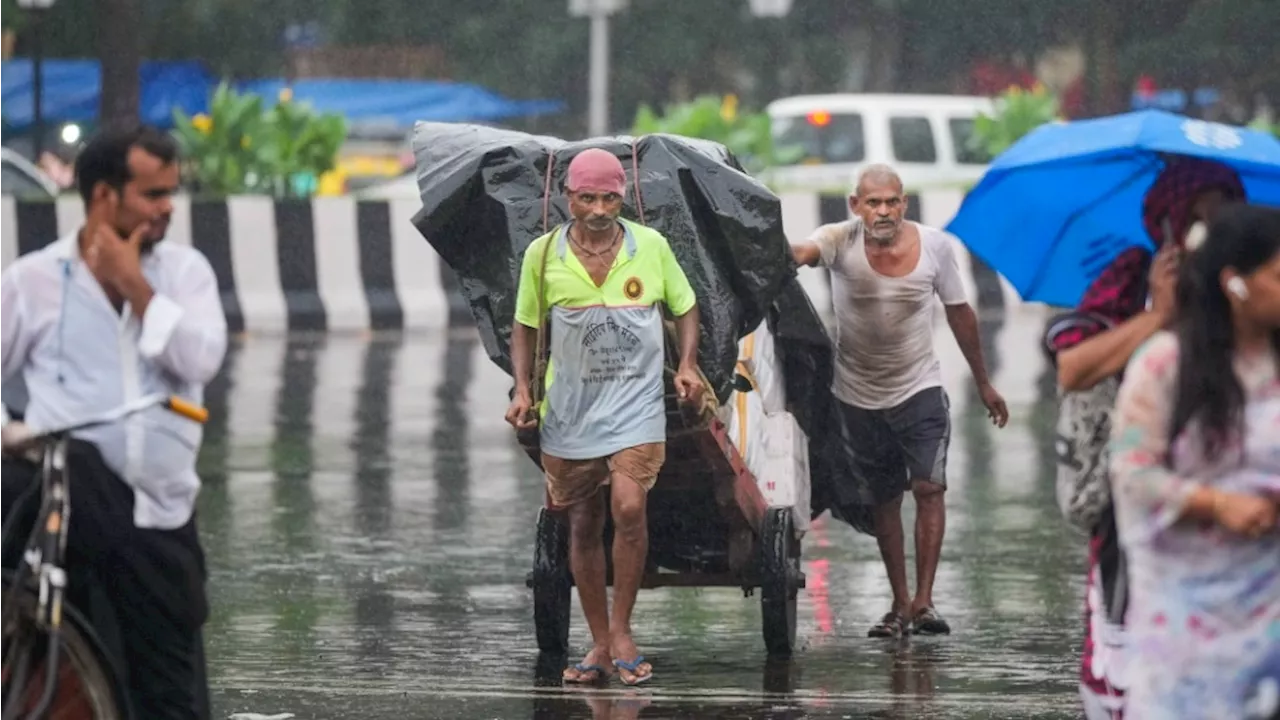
(632, 667)
(601, 674)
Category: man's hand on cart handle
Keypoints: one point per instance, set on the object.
(688, 384)
(520, 414)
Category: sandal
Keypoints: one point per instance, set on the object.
(633, 668)
(929, 622)
(585, 674)
(892, 625)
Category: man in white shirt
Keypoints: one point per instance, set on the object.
(888, 383)
(103, 316)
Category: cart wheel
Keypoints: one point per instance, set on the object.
(780, 568)
(551, 583)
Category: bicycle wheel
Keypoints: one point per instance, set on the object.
(86, 688)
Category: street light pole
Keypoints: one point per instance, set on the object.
(36, 10)
(598, 83)
(598, 108)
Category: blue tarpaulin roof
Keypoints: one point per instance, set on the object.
(400, 103)
(72, 90)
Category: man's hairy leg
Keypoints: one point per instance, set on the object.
(889, 536)
(630, 549)
(931, 524)
(586, 560)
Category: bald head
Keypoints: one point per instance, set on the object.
(879, 201)
(877, 177)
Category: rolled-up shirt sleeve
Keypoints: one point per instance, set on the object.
(184, 329)
(1148, 496)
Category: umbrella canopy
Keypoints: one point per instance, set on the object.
(1058, 206)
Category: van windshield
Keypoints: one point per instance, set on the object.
(822, 137)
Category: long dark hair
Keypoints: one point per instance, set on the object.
(1242, 237)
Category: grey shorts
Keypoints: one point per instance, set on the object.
(894, 446)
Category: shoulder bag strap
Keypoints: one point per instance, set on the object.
(539, 368)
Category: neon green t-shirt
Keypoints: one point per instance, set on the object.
(605, 377)
(568, 284)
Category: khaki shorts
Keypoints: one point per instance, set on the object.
(569, 482)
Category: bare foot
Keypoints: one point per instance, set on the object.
(632, 668)
(594, 667)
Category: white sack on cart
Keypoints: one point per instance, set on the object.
(776, 451)
(785, 480)
(759, 355)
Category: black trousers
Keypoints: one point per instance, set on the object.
(141, 590)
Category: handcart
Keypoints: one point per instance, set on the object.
(709, 526)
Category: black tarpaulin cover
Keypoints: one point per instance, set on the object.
(482, 195)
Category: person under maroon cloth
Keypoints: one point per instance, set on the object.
(1095, 341)
(1186, 192)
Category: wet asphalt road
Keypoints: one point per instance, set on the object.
(369, 519)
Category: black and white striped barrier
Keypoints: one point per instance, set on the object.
(328, 264)
(338, 264)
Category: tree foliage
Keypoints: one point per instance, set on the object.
(746, 135)
(675, 50)
(1212, 43)
(1017, 113)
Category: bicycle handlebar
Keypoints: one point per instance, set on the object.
(186, 409)
(32, 437)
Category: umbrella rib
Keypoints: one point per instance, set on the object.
(1034, 285)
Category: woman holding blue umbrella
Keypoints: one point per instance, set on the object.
(1091, 346)
(1176, 208)
(1072, 215)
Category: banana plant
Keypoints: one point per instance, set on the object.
(217, 147)
(1017, 112)
(301, 146)
(242, 148)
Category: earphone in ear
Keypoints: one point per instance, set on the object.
(1236, 287)
(1196, 235)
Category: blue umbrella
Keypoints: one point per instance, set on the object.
(1058, 206)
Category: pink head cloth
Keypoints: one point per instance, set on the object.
(596, 170)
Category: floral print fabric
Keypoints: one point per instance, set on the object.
(1204, 603)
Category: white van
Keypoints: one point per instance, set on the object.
(924, 137)
(24, 180)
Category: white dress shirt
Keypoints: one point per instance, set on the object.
(80, 357)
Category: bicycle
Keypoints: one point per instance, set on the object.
(39, 627)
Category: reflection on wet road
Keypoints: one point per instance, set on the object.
(369, 518)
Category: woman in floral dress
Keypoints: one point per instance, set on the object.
(1195, 458)
(1092, 344)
